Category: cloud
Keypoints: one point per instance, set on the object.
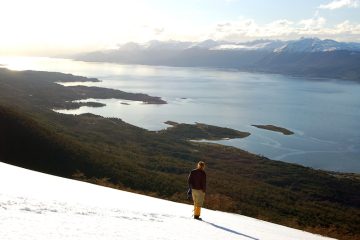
(336, 4)
(249, 29)
(158, 31)
(316, 23)
(347, 28)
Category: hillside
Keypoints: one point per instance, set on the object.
(110, 152)
(41, 206)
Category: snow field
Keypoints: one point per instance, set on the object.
(39, 206)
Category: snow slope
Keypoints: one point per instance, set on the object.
(40, 206)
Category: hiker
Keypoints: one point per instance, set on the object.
(197, 184)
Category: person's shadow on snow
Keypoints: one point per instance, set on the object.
(230, 230)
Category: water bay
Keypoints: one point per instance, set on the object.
(323, 113)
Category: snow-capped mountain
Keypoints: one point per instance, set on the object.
(263, 45)
(209, 44)
(39, 206)
(316, 45)
(171, 45)
(301, 45)
(166, 45)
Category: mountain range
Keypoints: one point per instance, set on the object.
(309, 57)
(301, 45)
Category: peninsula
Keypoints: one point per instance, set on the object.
(275, 129)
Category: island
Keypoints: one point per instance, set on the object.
(200, 131)
(76, 105)
(275, 129)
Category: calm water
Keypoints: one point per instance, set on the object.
(324, 114)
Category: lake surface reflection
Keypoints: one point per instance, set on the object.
(324, 114)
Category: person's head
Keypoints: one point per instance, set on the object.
(201, 165)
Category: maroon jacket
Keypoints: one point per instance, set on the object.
(197, 180)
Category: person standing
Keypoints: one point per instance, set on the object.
(197, 184)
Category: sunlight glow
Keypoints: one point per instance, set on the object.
(59, 28)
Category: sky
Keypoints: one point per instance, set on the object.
(45, 27)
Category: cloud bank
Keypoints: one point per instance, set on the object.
(336, 4)
(249, 29)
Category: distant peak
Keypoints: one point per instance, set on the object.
(316, 45)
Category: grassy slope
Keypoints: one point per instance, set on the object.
(112, 152)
